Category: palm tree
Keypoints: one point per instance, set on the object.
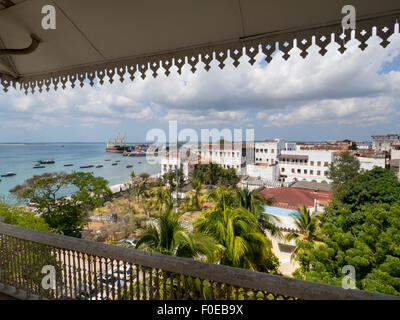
(255, 203)
(160, 197)
(222, 198)
(197, 187)
(240, 241)
(307, 227)
(169, 236)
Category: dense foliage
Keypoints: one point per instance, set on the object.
(359, 228)
(21, 217)
(213, 174)
(64, 214)
(344, 168)
(240, 240)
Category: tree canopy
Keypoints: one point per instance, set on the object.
(64, 214)
(344, 168)
(359, 228)
(19, 216)
(213, 174)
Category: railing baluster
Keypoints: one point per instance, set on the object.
(137, 282)
(107, 279)
(70, 267)
(157, 283)
(95, 276)
(131, 281)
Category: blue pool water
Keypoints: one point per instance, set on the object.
(21, 159)
(279, 211)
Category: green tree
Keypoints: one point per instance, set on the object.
(213, 174)
(169, 236)
(255, 202)
(19, 216)
(197, 187)
(307, 225)
(344, 168)
(64, 214)
(373, 249)
(144, 176)
(360, 228)
(239, 239)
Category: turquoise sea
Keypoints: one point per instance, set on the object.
(20, 158)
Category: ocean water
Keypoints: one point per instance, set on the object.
(20, 158)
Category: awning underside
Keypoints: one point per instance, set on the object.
(109, 40)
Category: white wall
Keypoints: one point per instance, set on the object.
(270, 173)
(395, 154)
(371, 163)
(316, 168)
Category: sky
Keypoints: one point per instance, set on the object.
(354, 95)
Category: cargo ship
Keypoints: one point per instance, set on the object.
(115, 147)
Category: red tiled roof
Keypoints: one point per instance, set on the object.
(292, 198)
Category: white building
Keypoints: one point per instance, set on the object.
(277, 160)
(174, 161)
(305, 165)
(371, 163)
(228, 156)
(385, 142)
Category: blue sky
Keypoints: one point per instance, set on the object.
(354, 95)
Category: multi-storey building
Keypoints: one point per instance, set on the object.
(307, 165)
(236, 156)
(385, 142)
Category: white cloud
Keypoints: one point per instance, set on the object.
(347, 89)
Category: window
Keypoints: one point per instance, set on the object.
(266, 150)
(305, 172)
(318, 173)
(257, 150)
(326, 164)
(319, 163)
(311, 163)
(283, 169)
(311, 172)
(272, 151)
(326, 173)
(293, 171)
(272, 161)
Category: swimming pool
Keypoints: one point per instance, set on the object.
(279, 211)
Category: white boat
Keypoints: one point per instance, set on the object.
(99, 166)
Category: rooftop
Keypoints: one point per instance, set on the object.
(291, 198)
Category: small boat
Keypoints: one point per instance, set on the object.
(8, 174)
(117, 160)
(99, 166)
(46, 162)
(140, 162)
(39, 167)
(129, 166)
(107, 160)
(115, 164)
(68, 165)
(88, 166)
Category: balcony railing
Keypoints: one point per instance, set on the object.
(82, 269)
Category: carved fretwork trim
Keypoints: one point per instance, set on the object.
(250, 47)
